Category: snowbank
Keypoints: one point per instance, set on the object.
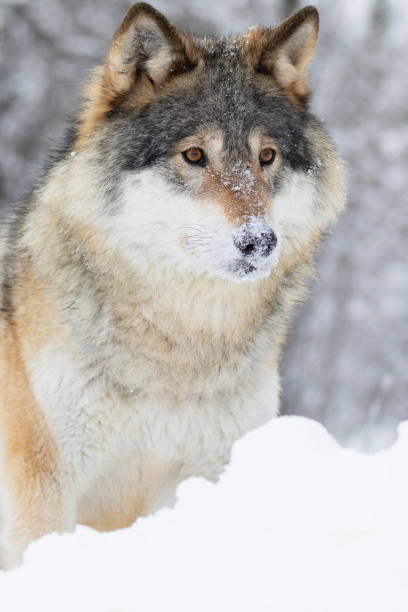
(296, 523)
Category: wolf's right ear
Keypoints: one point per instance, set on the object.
(146, 43)
(145, 51)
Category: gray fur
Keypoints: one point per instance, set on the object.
(229, 99)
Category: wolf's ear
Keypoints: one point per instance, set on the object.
(287, 51)
(145, 51)
(145, 43)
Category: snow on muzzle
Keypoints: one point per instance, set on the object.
(255, 240)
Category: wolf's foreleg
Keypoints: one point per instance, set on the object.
(32, 494)
(32, 504)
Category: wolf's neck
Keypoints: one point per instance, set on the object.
(186, 307)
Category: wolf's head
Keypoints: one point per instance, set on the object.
(212, 161)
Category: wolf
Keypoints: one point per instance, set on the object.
(148, 280)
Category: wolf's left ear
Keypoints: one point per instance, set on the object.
(287, 51)
(145, 43)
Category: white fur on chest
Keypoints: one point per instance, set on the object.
(110, 440)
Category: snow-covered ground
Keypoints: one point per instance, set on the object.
(296, 524)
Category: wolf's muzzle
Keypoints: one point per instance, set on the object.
(255, 240)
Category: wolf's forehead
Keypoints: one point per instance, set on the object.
(226, 74)
(225, 96)
(223, 52)
(221, 95)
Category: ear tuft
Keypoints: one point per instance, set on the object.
(288, 50)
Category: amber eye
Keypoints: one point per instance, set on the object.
(267, 156)
(194, 156)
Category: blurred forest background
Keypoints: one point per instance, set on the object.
(346, 359)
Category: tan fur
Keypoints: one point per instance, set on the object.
(30, 451)
(240, 198)
(123, 372)
(130, 504)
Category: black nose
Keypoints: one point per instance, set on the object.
(255, 242)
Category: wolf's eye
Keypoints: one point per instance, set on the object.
(195, 155)
(267, 156)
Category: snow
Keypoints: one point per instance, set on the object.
(296, 524)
